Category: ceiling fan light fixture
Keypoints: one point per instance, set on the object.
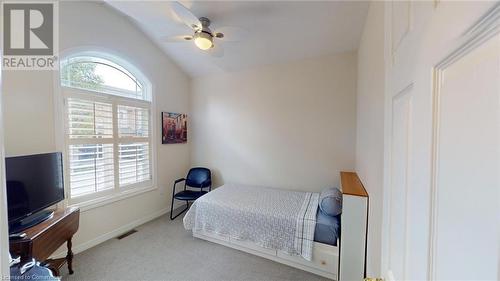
(203, 40)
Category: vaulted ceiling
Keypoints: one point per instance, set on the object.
(275, 32)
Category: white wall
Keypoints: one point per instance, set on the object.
(29, 110)
(370, 127)
(288, 126)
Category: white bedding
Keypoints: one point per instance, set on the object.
(272, 218)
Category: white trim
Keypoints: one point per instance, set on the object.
(4, 239)
(103, 97)
(484, 29)
(90, 204)
(388, 65)
(112, 234)
(490, 20)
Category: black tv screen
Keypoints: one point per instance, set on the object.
(34, 182)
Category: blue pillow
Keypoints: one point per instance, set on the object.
(330, 201)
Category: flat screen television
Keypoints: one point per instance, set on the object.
(34, 182)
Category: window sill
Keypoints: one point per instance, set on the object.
(108, 199)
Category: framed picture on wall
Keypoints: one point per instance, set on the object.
(174, 128)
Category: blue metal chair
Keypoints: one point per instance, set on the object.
(199, 178)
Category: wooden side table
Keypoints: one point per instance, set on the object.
(43, 239)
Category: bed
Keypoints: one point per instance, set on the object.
(281, 225)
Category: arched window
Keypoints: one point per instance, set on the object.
(107, 126)
(101, 75)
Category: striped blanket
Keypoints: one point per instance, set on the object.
(271, 218)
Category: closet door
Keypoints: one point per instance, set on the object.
(466, 172)
(442, 146)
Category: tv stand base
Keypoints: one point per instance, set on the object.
(32, 220)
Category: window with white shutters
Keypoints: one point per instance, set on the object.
(89, 119)
(134, 163)
(91, 168)
(107, 128)
(133, 149)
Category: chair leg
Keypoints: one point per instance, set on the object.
(172, 210)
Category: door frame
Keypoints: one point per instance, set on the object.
(4, 232)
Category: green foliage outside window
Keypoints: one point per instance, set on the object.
(82, 75)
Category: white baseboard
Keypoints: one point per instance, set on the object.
(112, 234)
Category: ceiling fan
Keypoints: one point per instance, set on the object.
(203, 37)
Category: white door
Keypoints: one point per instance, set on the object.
(442, 141)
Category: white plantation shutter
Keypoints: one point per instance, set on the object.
(91, 168)
(88, 119)
(133, 132)
(108, 138)
(133, 121)
(134, 163)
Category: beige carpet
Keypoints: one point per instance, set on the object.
(163, 250)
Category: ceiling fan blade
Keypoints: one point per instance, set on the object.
(231, 34)
(185, 15)
(177, 39)
(216, 51)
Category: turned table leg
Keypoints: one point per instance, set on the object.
(69, 256)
